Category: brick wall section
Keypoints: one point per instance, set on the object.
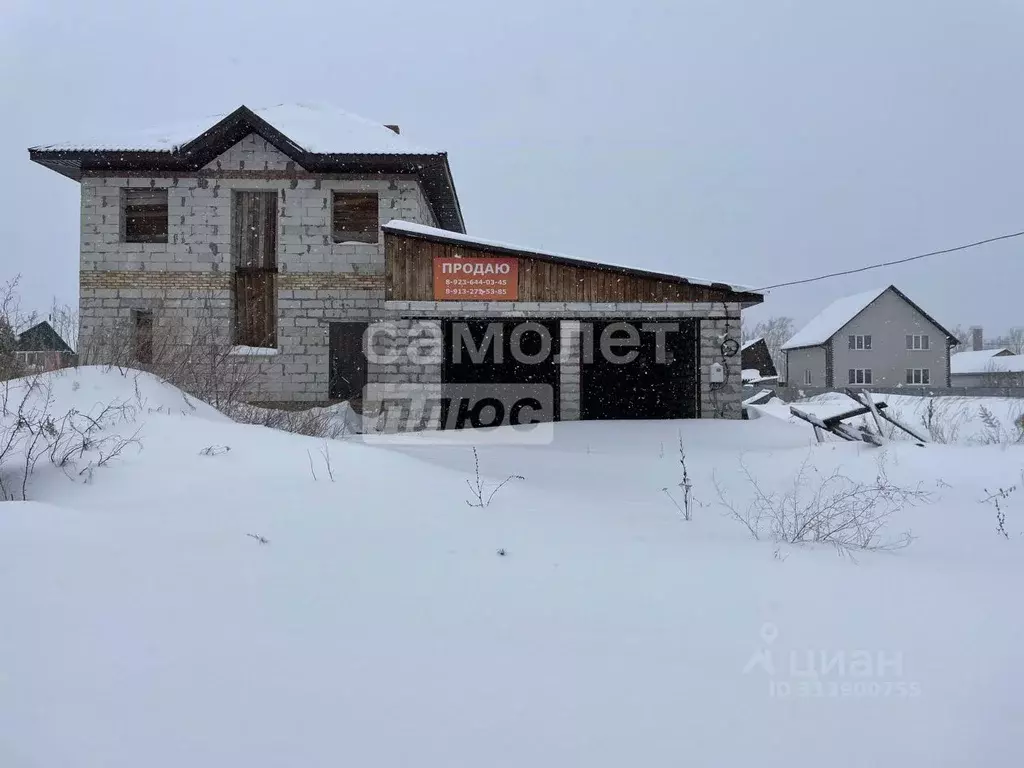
(405, 359)
(128, 282)
(253, 153)
(569, 370)
(186, 281)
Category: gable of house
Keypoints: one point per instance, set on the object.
(42, 337)
(253, 153)
(890, 337)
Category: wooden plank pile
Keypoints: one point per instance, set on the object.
(865, 406)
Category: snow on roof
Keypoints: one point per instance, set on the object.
(984, 361)
(751, 343)
(412, 228)
(317, 128)
(974, 361)
(831, 319)
(1007, 364)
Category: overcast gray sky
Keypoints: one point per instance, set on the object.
(752, 141)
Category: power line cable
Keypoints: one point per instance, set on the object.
(893, 263)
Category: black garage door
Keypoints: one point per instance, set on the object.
(499, 372)
(660, 381)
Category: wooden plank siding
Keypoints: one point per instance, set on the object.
(409, 277)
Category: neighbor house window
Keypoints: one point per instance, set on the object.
(142, 336)
(355, 217)
(917, 341)
(807, 377)
(860, 376)
(918, 376)
(145, 215)
(35, 361)
(860, 342)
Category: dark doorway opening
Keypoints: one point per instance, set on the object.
(347, 368)
(660, 381)
(514, 362)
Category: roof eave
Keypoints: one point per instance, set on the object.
(191, 157)
(949, 336)
(785, 348)
(432, 169)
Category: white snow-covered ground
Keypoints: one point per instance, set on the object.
(379, 626)
(942, 418)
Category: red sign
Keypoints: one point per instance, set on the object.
(476, 279)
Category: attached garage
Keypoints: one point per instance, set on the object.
(639, 369)
(602, 341)
(497, 371)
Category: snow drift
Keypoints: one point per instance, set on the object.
(379, 625)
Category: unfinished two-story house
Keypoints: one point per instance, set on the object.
(295, 231)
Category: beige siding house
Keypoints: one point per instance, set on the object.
(878, 338)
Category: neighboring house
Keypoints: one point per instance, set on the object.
(997, 367)
(877, 338)
(41, 348)
(302, 236)
(757, 363)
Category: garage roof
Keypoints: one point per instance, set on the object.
(440, 235)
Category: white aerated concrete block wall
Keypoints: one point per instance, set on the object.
(189, 277)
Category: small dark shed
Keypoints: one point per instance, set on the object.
(756, 357)
(41, 348)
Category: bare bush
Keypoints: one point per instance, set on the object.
(190, 348)
(478, 488)
(944, 417)
(12, 319)
(327, 423)
(1000, 499)
(75, 442)
(824, 509)
(215, 450)
(685, 484)
(996, 433)
(325, 454)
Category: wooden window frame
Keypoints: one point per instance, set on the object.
(136, 216)
(864, 374)
(254, 252)
(918, 342)
(860, 341)
(353, 231)
(807, 377)
(923, 376)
